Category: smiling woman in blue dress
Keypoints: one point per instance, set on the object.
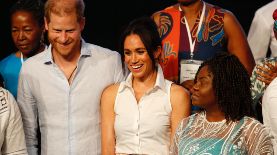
(140, 115)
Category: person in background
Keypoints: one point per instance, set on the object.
(267, 77)
(140, 115)
(260, 36)
(60, 88)
(12, 138)
(269, 105)
(27, 30)
(225, 124)
(263, 74)
(193, 31)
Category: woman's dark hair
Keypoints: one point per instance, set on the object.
(231, 83)
(35, 7)
(147, 30)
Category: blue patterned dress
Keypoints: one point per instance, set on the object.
(197, 136)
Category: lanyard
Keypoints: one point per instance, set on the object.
(192, 43)
(21, 58)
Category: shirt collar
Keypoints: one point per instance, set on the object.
(48, 57)
(159, 84)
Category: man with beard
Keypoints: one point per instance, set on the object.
(59, 89)
(193, 31)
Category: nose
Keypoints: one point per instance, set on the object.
(134, 58)
(63, 37)
(195, 87)
(21, 35)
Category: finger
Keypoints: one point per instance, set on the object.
(265, 70)
(263, 74)
(270, 66)
(266, 81)
(266, 77)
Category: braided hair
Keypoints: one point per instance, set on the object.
(231, 83)
(35, 7)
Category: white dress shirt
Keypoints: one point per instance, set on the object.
(66, 115)
(261, 35)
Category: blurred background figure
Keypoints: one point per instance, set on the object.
(26, 17)
(260, 36)
(267, 74)
(140, 115)
(263, 74)
(225, 124)
(12, 138)
(193, 31)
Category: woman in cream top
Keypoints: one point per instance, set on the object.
(140, 115)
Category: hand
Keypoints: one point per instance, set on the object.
(267, 73)
(188, 84)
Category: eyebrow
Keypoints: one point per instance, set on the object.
(204, 77)
(135, 49)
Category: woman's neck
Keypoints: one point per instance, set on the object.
(192, 9)
(214, 115)
(148, 81)
(36, 51)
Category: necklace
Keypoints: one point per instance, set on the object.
(21, 58)
(69, 78)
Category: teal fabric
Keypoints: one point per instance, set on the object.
(210, 146)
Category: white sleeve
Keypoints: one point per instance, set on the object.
(257, 139)
(118, 71)
(259, 36)
(271, 99)
(14, 141)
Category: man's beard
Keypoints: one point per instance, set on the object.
(187, 3)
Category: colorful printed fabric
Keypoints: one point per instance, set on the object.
(172, 29)
(258, 87)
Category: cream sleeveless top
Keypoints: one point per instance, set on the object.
(144, 127)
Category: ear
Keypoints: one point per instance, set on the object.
(157, 53)
(45, 24)
(82, 23)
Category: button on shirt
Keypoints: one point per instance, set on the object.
(144, 127)
(66, 115)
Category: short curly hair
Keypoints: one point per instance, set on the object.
(231, 83)
(35, 7)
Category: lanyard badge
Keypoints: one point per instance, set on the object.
(190, 67)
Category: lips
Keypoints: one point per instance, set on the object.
(23, 46)
(136, 68)
(194, 97)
